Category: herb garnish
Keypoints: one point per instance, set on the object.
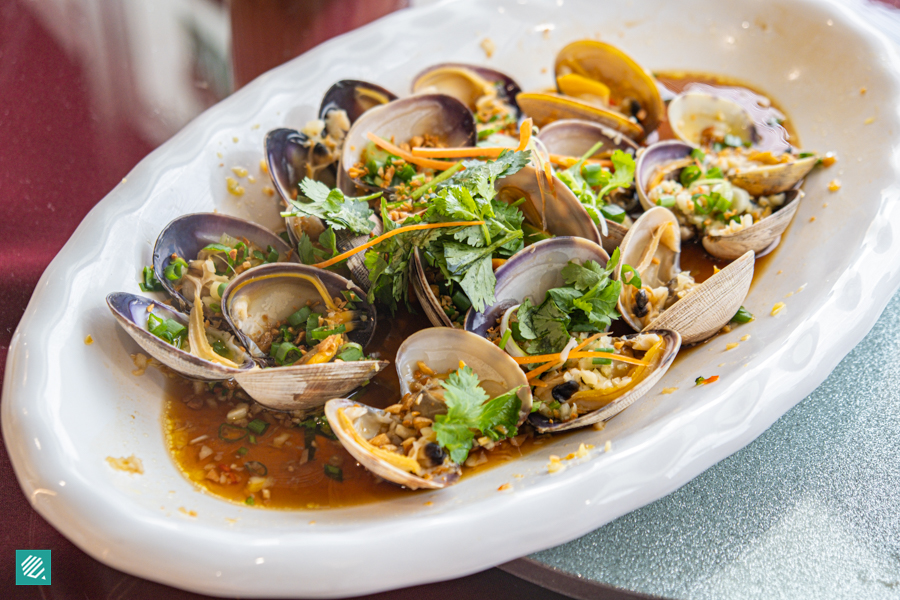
(583, 179)
(468, 411)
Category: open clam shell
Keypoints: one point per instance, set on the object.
(545, 108)
(667, 158)
(530, 273)
(287, 158)
(694, 116)
(707, 307)
(628, 83)
(436, 115)
(132, 312)
(574, 137)
(441, 350)
(661, 365)
(187, 235)
(258, 299)
(549, 206)
(467, 83)
(759, 238)
(354, 97)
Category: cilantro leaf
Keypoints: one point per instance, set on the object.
(584, 276)
(623, 176)
(332, 207)
(467, 412)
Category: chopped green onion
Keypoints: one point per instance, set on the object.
(221, 290)
(714, 173)
(698, 154)
(271, 254)
(733, 141)
(604, 361)
(221, 349)
(242, 451)
(505, 339)
(215, 307)
(689, 175)
(667, 201)
(334, 473)
(461, 301)
(257, 426)
(742, 316)
(613, 212)
(250, 501)
(285, 353)
(175, 269)
(150, 283)
(350, 352)
(251, 438)
(806, 154)
(231, 433)
(320, 333)
(257, 468)
(299, 317)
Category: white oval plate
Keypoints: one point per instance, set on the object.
(67, 405)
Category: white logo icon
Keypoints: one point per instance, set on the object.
(33, 567)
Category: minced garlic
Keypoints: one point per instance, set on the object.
(239, 171)
(779, 306)
(489, 47)
(263, 167)
(504, 487)
(731, 346)
(88, 340)
(268, 190)
(555, 465)
(834, 185)
(669, 390)
(608, 446)
(745, 338)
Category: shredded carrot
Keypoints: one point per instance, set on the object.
(467, 152)
(473, 151)
(391, 234)
(438, 165)
(539, 383)
(527, 360)
(496, 263)
(587, 341)
(568, 161)
(548, 171)
(534, 374)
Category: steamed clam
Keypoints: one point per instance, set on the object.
(489, 94)
(669, 298)
(176, 340)
(206, 250)
(598, 82)
(550, 209)
(425, 120)
(400, 443)
(307, 327)
(708, 193)
(540, 316)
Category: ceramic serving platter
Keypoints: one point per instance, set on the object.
(67, 405)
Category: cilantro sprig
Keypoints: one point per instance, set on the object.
(462, 254)
(469, 412)
(591, 183)
(586, 304)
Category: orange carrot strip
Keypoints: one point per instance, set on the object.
(587, 341)
(468, 152)
(568, 161)
(534, 374)
(496, 263)
(525, 133)
(539, 383)
(391, 234)
(527, 360)
(438, 165)
(475, 151)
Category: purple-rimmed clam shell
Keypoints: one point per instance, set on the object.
(288, 154)
(269, 295)
(131, 311)
(436, 115)
(574, 137)
(673, 344)
(508, 87)
(187, 235)
(652, 159)
(530, 273)
(354, 97)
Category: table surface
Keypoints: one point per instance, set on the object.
(811, 509)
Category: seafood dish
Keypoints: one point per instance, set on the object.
(463, 272)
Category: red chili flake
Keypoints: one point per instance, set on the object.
(706, 380)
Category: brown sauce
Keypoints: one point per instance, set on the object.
(190, 414)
